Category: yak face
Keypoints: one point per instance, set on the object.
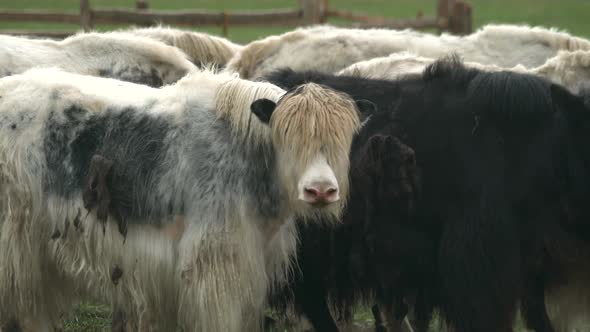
(318, 184)
(385, 174)
(311, 130)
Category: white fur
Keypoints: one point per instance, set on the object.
(200, 47)
(568, 68)
(390, 67)
(330, 49)
(214, 279)
(91, 53)
(319, 173)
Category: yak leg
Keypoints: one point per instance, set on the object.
(120, 322)
(395, 314)
(316, 310)
(534, 310)
(474, 298)
(11, 326)
(379, 322)
(38, 324)
(422, 313)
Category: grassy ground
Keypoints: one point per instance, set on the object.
(570, 15)
(89, 318)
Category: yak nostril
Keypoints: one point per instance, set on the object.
(331, 191)
(311, 192)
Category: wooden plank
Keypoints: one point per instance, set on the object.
(383, 22)
(39, 16)
(417, 24)
(196, 18)
(354, 16)
(55, 34)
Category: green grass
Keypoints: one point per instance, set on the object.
(570, 15)
(88, 318)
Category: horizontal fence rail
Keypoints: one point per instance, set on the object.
(452, 15)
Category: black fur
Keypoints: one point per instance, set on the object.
(263, 109)
(80, 137)
(366, 107)
(134, 75)
(503, 163)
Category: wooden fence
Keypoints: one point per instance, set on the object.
(451, 15)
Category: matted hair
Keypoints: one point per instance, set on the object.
(308, 121)
(233, 100)
(200, 47)
(313, 118)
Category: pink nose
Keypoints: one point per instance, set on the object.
(320, 193)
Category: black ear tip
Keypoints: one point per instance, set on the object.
(263, 109)
(366, 106)
(262, 103)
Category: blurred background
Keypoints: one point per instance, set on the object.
(570, 15)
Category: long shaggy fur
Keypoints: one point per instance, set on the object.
(568, 68)
(307, 134)
(329, 49)
(176, 150)
(117, 55)
(203, 49)
(504, 176)
(402, 64)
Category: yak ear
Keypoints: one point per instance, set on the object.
(366, 109)
(263, 109)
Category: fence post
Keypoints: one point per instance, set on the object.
(85, 15)
(142, 5)
(442, 13)
(312, 11)
(324, 13)
(225, 24)
(468, 18)
(461, 18)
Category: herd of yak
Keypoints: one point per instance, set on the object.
(195, 183)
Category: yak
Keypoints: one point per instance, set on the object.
(500, 217)
(570, 69)
(329, 49)
(92, 168)
(118, 55)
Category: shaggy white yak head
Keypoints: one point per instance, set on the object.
(311, 130)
